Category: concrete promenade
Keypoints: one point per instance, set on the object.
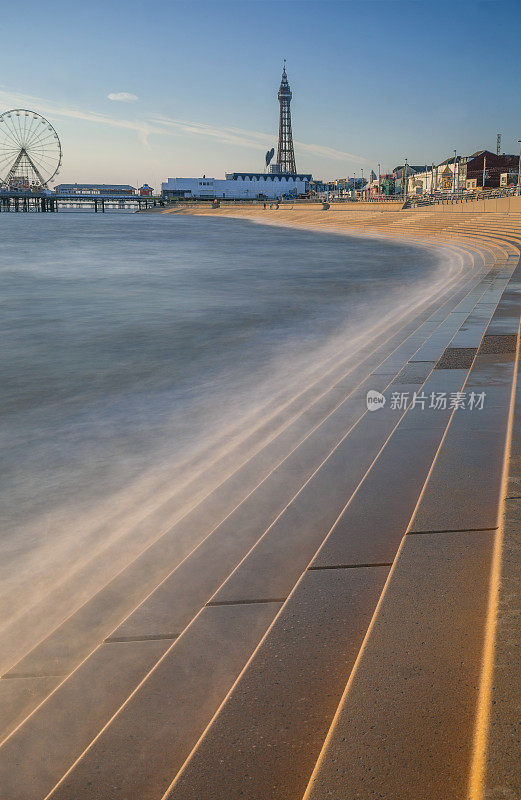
(339, 617)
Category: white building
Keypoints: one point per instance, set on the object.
(508, 179)
(239, 186)
(422, 182)
(448, 176)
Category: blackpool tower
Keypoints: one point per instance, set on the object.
(285, 152)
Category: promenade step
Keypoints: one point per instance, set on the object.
(404, 727)
(267, 747)
(60, 652)
(260, 749)
(413, 700)
(500, 773)
(173, 605)
(469, 561)
(221, 673)
(179, 598)
(270, 730)
(185, 689)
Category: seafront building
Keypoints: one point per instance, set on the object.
(482, 169)
(405, 172)
(318, 187)
(450, 175)
(239, 186)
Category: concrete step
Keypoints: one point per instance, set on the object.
(404, 727)
(155, 624)
(150, 699)
(64, 649)
(419, 697)
(184, 688)
(156, 621)
(270, 730)
(266, 733)
(499, 774)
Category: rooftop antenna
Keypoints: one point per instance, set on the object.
(498, 144)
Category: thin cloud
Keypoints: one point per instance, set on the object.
(123, 97)
(253, 139)
(52, 109)
(164, 126)
(234, 136)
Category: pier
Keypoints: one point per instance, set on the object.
(41, 202)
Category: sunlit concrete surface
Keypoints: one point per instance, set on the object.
(338, 617)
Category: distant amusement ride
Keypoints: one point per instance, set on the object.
(30, 151)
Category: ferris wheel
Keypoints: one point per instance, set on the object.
(30, 150)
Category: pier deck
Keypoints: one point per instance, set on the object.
(13, 201)
(328, 627)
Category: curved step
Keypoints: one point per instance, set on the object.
(271, 726)
(419, 695)
(256, 676)
(64, 649)
(152, 633)
(270, 730)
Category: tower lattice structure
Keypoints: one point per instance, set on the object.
(285, 152)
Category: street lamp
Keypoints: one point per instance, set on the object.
(405, 171)
(378, 181)
(519, 166)
(454, 176)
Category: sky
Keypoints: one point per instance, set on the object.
(142, 91)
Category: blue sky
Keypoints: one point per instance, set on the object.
(372, 82)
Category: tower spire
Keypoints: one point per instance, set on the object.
(285, 152)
